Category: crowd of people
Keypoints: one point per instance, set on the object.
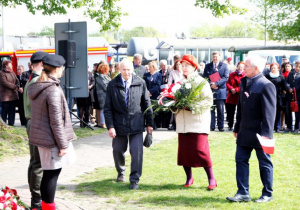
(120, 98)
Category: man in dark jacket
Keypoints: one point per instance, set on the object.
(139, 69)
(218, 87)
(255, 115)
(126, 100)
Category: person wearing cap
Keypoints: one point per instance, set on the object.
(51, 127)
(219, 89)
(285, 59)
(127, 99)
(230, 64)
(9, 87)
(34, 169)
(193, 129)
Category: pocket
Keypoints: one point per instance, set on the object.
(54, 155)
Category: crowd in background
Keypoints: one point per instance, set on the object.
(285, 76)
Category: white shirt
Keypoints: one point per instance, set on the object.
(128, 81)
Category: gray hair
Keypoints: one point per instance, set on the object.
(126, 62)
(137, 56)
(163, 62)
(257, 61)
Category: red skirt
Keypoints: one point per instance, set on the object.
(193, 150)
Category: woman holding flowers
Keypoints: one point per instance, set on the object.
(193, 123)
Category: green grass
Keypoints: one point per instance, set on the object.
(14, 140)
(161, 185)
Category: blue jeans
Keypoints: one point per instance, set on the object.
(242, 157)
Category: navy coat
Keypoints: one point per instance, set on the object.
(256, 111)
(223, 70)
(127, 120)
(153, 83)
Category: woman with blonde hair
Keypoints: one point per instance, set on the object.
(51, 128)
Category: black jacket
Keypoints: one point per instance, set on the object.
(293, 81)
(256, 111)
(127, 121)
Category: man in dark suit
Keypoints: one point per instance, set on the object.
(218, 88)
(255, 115)
(20, 103)
(139, 69)
(26, 74)
(163, 64)
(127, 99)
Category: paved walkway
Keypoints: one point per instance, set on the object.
(92, 152)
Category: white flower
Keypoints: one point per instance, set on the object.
(176, 87)
(188, 85)
(1, 193)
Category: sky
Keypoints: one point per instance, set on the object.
(167, 16)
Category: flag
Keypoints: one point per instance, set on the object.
(267, 145)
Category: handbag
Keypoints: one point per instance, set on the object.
(293, 103)
(148, 140)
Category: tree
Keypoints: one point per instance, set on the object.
(107, 14)
(140, 31)
(47, 31)
(233, 29)
(280, 18)
(285, 24)
(220, 8)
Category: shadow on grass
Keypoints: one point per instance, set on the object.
(162, 195)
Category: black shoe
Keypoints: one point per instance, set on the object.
(264, 199)
(221, 129)
(36, 205)
(239, 198)
(212, 129)
(172, 127)
(134, 186)
(121, 178)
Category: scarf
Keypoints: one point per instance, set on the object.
(239, 72)
(274, 75)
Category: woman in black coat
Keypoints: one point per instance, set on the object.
(101, 81)
(279, 81)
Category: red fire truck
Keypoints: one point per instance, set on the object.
(22, 57)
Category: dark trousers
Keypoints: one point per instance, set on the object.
(84, 114)
(119, 145)
(35, 171)
(277, 118)
(9, 111)
(242, 157)
(230, 114)
(219, 104)
(48, 184)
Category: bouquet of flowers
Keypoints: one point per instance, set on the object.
(9, 200)
(188, 96)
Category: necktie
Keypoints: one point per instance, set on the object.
(216, 67)
(126, 93)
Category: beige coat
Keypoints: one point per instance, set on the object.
(186, 122)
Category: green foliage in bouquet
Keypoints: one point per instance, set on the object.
(188, 96)
(191, 97)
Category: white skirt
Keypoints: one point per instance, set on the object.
(51, 160)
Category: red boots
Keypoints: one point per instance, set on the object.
(48, 206)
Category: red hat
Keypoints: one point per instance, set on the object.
(191, 60)
(229, 59)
